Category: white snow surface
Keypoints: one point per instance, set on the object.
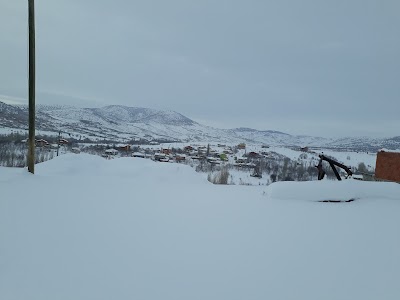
(88, 228)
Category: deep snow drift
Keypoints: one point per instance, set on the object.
(87, 228)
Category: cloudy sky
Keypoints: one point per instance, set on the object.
(328, 68)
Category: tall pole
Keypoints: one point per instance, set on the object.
(58, 143)
(31, 150)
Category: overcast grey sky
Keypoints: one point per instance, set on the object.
(328, 68)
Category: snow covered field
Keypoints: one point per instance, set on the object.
(349, 158)
(88, 228)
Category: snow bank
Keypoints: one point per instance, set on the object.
(333, 190)
(85, 165)
(88, 228)
(10, 174)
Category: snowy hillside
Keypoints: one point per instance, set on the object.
(275, 138)
(118, 113)
(367, 143)
(88, 228)
(12, 116)
(16, 117)
(121, 124)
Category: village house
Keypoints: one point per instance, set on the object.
(125, 148)
(227, 151)
(223, 157)
(304, 149)
(42, 143)
(110, 153)
(63, 141)
(166, 151)
(253, 154)
(138, 154)
(213, 160)
(161, 157)
(75, 150)
(188, 149)
(180, 157)
(241, 160)
(388, 166)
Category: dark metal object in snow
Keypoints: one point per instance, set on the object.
(332, 163)
(338, 201)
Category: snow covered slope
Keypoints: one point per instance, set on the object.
(88, 228)
(13, 116)
(121, 124)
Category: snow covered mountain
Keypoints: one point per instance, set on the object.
(17, 117)
(121, 123)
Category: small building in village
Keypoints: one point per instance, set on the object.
(42, 143)
(253, 154)
(76, 150)
(180, 157)
(188, 148)
(241, 160)
(125, 148)
(138, 154)
(388, 166)
(161, 157)
(111, 152)
(63, 141)
(166, 151)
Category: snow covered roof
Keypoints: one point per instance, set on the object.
(138, 154)
(111, 151)
(388, 150)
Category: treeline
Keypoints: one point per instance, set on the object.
(14, 154)
(272, 169)
(14, 150)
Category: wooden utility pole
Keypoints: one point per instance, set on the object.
(31, 150)
(58, 142)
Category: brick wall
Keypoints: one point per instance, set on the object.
(388, 166)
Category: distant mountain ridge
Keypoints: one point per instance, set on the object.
(118, 113)
(122, 123)
(251, 130)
